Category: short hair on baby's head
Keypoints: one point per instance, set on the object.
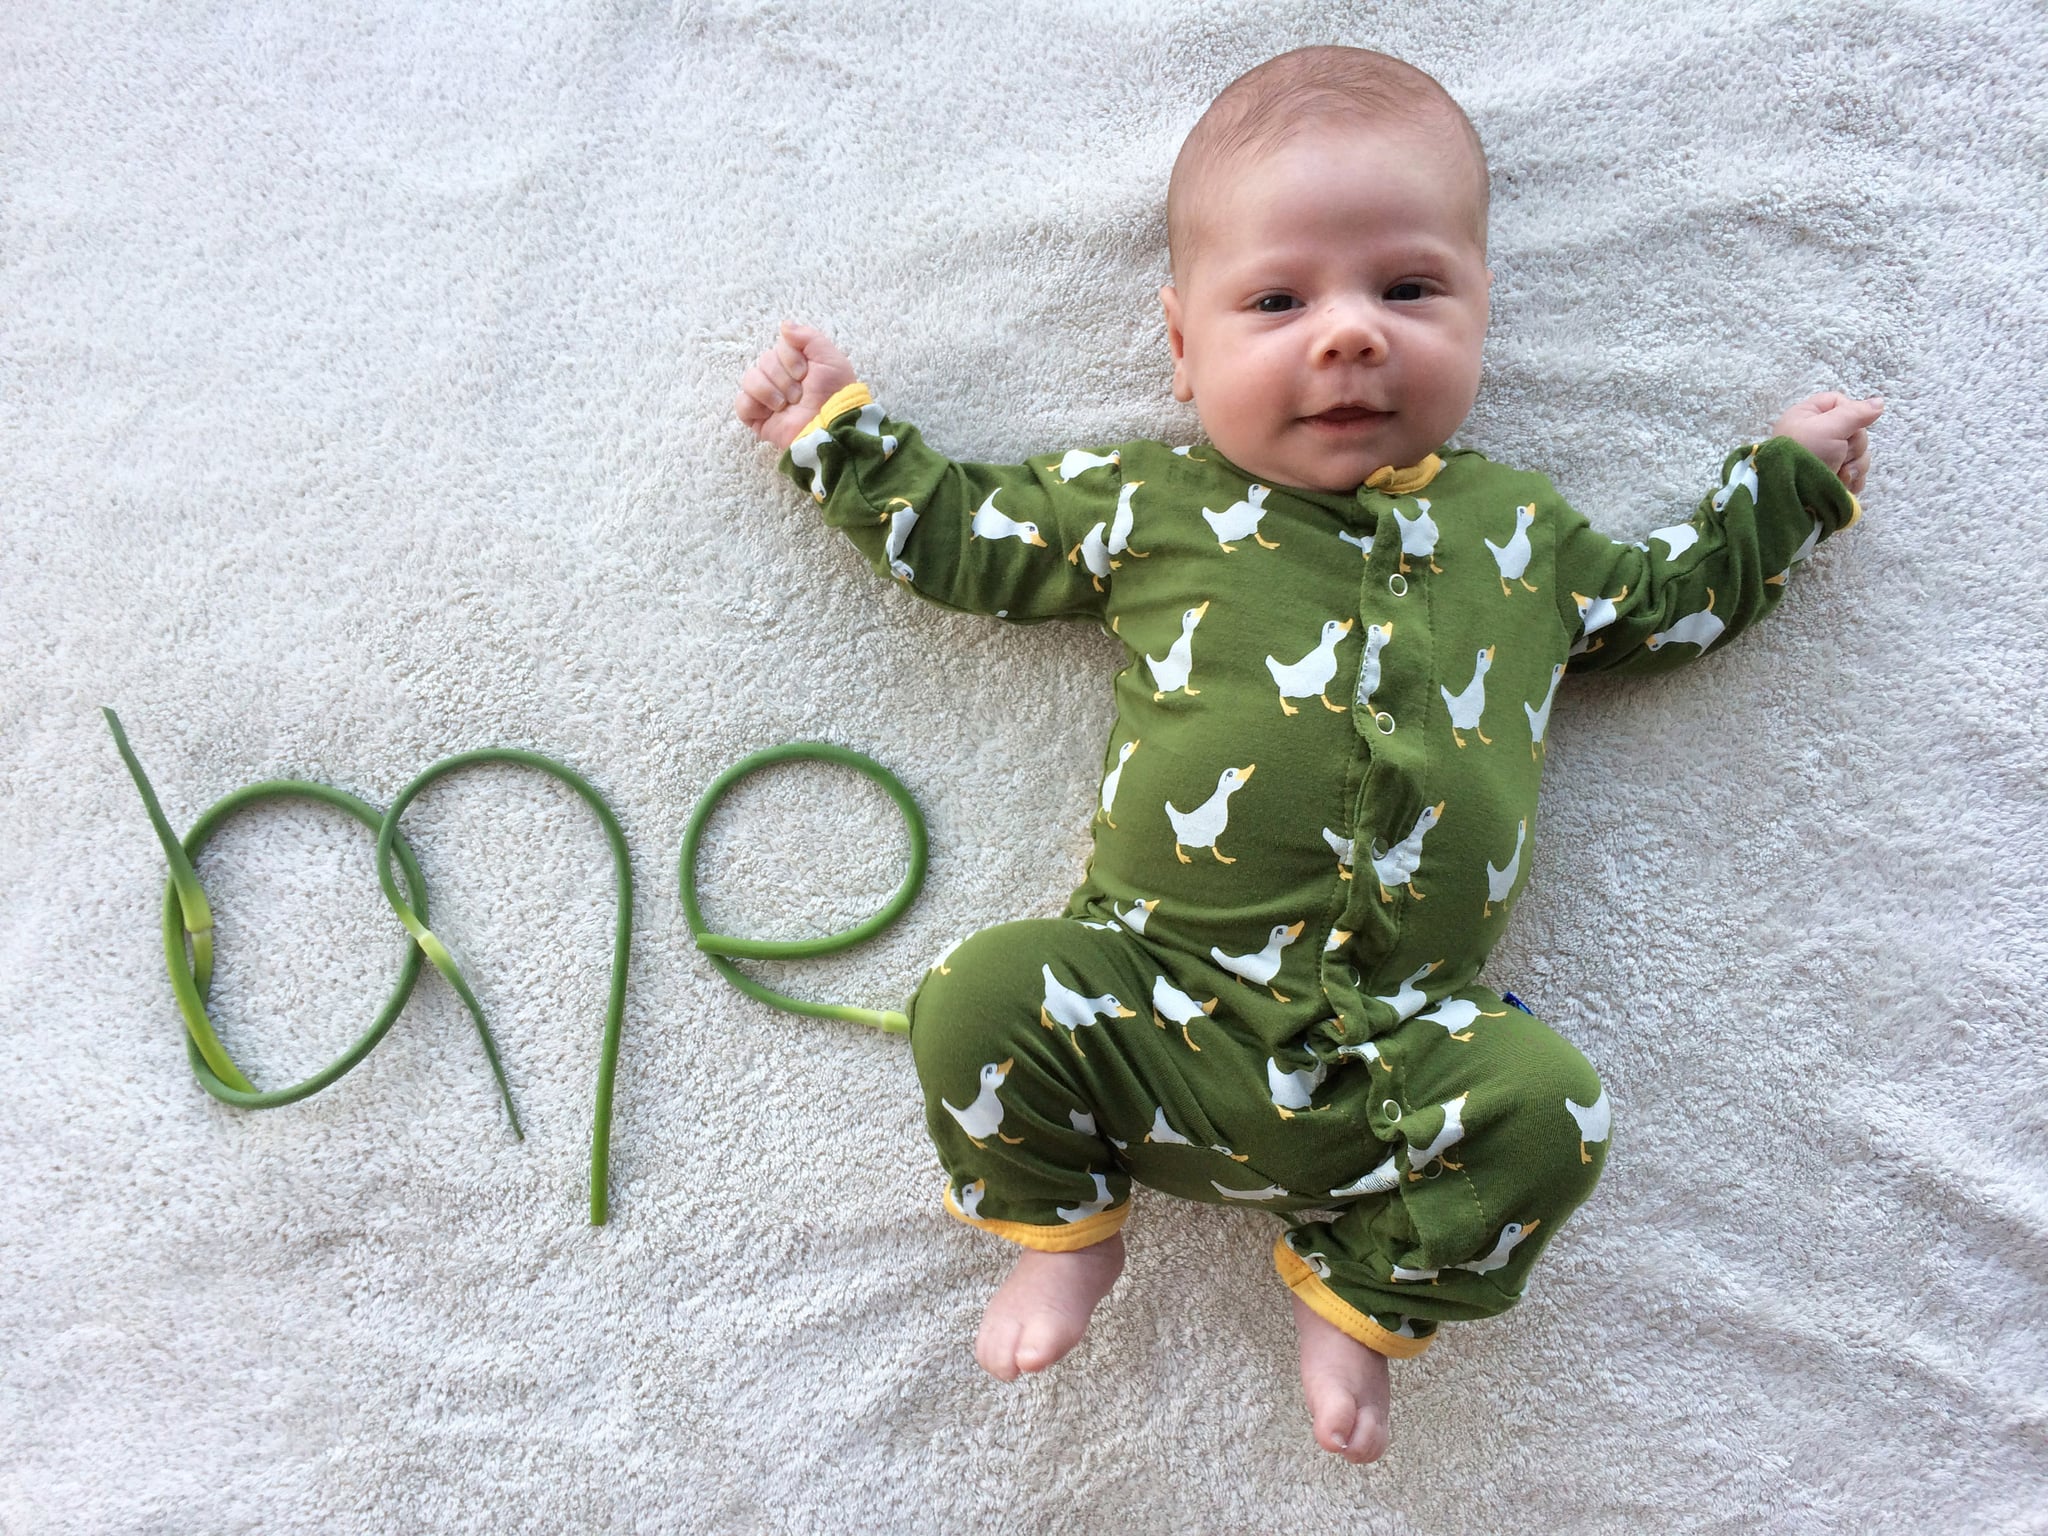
(1327, 84)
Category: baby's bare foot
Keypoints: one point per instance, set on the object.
(1041, 1311)
(1346, 1387)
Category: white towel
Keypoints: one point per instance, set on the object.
(365, 397)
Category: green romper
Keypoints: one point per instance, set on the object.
(1316, 812)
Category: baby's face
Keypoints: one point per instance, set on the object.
(1331, 318)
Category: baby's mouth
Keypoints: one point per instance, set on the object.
(1348, 416)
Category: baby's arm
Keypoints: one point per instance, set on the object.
(985, 538)
(1692, 587)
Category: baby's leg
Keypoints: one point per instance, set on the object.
(1495, 1133)
(1015, 1040)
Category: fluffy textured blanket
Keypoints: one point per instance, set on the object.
(365, 382)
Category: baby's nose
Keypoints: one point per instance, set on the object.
(1352, 328)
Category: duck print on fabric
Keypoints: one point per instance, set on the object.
(1315, 812)
(1309, 678)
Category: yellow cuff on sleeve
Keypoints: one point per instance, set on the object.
(1064, 1238)
(850, 397)
(1332, 1309)
(1855, 513)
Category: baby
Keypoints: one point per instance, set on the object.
(1344, 640)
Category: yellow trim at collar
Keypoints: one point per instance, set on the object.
(1404, 482)
(1064, 1238)
(850, 397)
(1332, 1309)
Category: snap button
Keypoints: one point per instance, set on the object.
(1390, 1109)
(1351, 974)
(1398, 584)
(1385, 722)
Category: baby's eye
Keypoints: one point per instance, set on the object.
(1405, 292)
(1274, 303)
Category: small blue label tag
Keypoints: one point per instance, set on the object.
(1515, 1002)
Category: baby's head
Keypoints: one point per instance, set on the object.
(1326, 222)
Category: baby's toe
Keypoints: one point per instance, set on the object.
(1368, 1438)
(995, 1348)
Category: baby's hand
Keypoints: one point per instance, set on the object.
(1834, 429)
(790, 383)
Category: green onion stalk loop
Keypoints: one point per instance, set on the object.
(187, 920)
(721, 949)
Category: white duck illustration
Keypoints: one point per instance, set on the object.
(1410, 997)
(1346, 849)
(1094, 553)
(1171, 672)
(870, 421)
(1201, 827)
(989, 523)
(1679, 537)
(1139, 914)
(1315, 1261)
(900, 523)
(1803, 552)
(1265, 965)
(1510, 1236)
(1093, 1207)
(1291, 1091)
(1310, 676)
(1513, 557)
(1169, 1002)
(1112, 779)
(940, 965)
(1365, 1050)
(1076, 461)
(1081, 1121)
(1376, 638)
(1499, 882)
(1362, 542)
(1539, 719)
(1595, 614)
(803, 453)
(1270, 1192)
(1401, 1273)
(1120, 524)
(984, 1117)
(1452, 1133)
(1456, 1014)
(1398, 864)
(1073, 1012)
(1700, 628)
(1162, 1134)
(968, 1198)
(1596, 1121)
(1338, 938)
(1240, 519)
(1741, 477)
(1418, 536)
(1467, 707)
(1381, 1179)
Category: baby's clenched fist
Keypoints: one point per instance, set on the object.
(1835, 430)
(790, 383)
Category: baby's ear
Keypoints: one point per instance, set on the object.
(1169, 300)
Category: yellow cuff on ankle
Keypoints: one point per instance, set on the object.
(1064, 1238)
(1333, 1309)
